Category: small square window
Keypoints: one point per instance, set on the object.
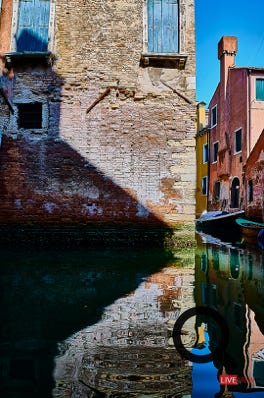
(214, 116)
(30, 115)
(238, 141)
(215, 151)
(260, 89)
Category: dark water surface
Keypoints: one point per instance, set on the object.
(99, 323)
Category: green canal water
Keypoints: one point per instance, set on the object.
(101, 323)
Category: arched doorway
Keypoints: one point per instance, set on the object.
(235, 188)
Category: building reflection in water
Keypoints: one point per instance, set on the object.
(231, 281)
(130, 351)
(83, 323)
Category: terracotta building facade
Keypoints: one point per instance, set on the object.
(97, 112)
(254, 181)
(236, 114)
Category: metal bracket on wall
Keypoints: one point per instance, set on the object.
(102, 96)
(177, 92)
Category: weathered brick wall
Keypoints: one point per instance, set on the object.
(255, 172)
(131, 158)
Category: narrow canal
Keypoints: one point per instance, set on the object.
(101, 323)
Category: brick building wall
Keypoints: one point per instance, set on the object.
(117, 137)
(254, 182)
(235, 132)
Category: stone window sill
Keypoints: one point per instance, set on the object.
(28, 57)
(166, 60)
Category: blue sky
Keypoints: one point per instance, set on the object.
(214, 19)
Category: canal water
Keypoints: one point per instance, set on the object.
(102, 323)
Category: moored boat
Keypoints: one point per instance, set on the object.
(250, 229)
(214, 220)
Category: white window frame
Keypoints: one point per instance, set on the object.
(258, 78)
(15, 24)
(205, 178)
(204, 152)
(212, 110)
(235, 140)
(213, 151)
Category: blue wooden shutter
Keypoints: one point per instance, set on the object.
(163, 26)
(33, 25)
(260, 89)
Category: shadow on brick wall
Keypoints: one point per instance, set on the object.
(48, 190)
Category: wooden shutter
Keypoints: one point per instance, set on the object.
(260, 89)
(33, 25)
(163, 26)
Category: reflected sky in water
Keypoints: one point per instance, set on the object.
(98, 323)
(204, 375)
(230, 280)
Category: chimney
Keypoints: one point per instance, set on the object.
(227, 49)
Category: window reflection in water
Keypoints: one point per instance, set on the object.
(233, 284)
(83, 323)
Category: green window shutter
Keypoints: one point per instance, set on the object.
(260, 89)
(33, 25)
(163, 26)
